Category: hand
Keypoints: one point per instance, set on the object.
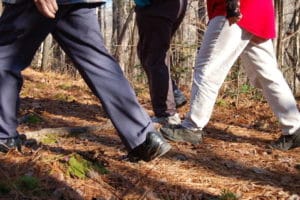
(48, 8)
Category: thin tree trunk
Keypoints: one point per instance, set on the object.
(46, 53)
(132, 55)
(118, 16)
(1, 8)
(122, 34)
(279, 9)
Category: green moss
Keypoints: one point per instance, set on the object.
(64, 97)
(79, 167)
(65, 86)
(245, 89)
(101, 169)
(50, 139)
(4, 188)
(33, 119)
(221, 102)
(227, 195)
(27, 183)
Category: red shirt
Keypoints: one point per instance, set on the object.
(258, 15)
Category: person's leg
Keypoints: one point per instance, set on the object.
(179, 98)
(181, 10)
(22, 30)
(155, 24)
(221, 46)
(260, 64)
(79, 35)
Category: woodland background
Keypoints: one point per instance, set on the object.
(117, 20)
(72, 151)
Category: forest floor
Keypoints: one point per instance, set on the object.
(233, 162)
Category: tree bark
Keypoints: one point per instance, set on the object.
(46, 53)
(1, 8)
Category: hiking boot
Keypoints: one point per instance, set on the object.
(11, 143)
(286, 142)
(179, 98)
(171, 120)
(153, 147)
(182, 134)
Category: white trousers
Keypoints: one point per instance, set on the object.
(222, 45)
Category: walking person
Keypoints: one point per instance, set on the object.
(157, 22)
(24, 25)
(239, 28)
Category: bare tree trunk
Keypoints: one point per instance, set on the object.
(118, 16)
(46, 53)
(102, 21)
(294, 36)
(287, 45)
(202, 18)
(122, 33)
(132, 55)
(1, 8)
(279, 17)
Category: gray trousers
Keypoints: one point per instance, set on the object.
(76, 29)
(157, 24)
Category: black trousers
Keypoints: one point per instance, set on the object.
(157, 24)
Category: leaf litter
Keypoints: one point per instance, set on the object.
(232, 163)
